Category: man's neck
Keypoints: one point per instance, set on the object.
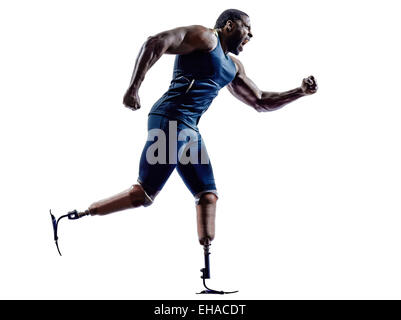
(218, 33)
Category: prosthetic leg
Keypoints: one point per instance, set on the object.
(132, 198)
(135, 197)
(206, 217)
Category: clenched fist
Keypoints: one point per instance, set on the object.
(131, 101)
(309, 85)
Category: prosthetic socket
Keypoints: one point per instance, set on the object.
(131, 198)
(135, 197)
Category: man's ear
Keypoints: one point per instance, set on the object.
(229, 25)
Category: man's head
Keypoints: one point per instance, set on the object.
(236, 28)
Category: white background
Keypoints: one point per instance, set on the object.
(309, 202)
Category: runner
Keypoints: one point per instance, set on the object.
(202, 67)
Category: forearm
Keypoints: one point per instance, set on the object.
(270, 101)
(150, 52)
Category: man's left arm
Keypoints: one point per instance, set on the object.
(246, 90)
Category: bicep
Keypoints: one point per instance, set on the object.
(243, 88)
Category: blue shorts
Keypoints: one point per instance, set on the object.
(179, 147)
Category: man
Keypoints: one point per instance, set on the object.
(202, 67)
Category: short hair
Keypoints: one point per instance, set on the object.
(229, 14)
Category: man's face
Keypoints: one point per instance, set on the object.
(240, 35)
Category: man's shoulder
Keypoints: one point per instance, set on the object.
(238, 65)
(204, 36)
(201, 29)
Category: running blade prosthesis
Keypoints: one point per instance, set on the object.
(73, 215)
(206, 274)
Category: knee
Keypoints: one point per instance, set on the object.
(207, 198)
(139, 197)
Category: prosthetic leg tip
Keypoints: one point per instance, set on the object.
(72, 215)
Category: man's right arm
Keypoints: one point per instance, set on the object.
(181, 40)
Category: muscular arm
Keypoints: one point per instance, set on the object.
(181, 40)
(246, 90)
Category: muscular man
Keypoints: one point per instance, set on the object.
(202, 67)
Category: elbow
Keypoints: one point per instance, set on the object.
(263, 102)
(152, 39)
(263, 105)
(150, 42)
(154, 44)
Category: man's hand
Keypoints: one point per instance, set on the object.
(309, 85)
(131, 101)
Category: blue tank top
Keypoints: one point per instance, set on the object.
(197, 78)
